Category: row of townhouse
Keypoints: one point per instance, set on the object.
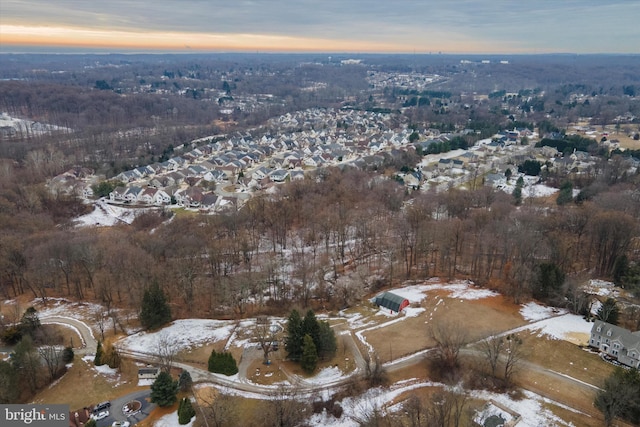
(616, 342)
(190, 197)
(135, 194)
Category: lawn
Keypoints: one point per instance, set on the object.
(82, 385)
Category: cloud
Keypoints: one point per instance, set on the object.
(497, 25)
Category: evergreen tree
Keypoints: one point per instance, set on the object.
(549, 280)
(609, 311)
(8, 383)
(185, 411)
(310, 327)
(91, 423)
(327, 341)
(293, 343)
(155, 310)
(30, 322)
(185, 381)
(566, 193)
(67, 355)
(97, 360)
(164, 390)
(222, 363)
(620, 396)
(309, 359)
(517, 192)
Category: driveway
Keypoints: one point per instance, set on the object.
(116, 411)
(89, 342)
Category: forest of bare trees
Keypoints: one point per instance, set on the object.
(315, 242)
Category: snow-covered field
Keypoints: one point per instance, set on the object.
(530, 188)
(555, 323)
(106, 215)
(181, 334)
(601, 288)
(171, 420)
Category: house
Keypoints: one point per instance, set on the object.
(161, 197)
(190, 197)
(132, 194)
(118, 194)
(391, 301)
(260, 173)
(279, 175)
(616, 342)
(148, 373)
(148, 195)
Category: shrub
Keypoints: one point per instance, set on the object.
(67, 355)
(185, 411)
(222, 363)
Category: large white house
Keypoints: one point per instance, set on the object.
(617, 342)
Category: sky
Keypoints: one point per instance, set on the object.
(396, 26)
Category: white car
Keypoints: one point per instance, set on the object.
(100, 415)
(120, 424)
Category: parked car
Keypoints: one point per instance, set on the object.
(100, 415)
(101, 406)
(120, 424)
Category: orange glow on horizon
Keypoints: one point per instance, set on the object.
(81, 37)
(17, 35)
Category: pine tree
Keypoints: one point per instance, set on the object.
(185, 411)
(309, 359)
(155, 310)
(293, 343)
(30, 322)
(310, 327)
(164, 390)
(67, 355)
(222, 363)
(327, 345)
(99, 353)
(185, 381)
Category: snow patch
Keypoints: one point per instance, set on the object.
(182, 334)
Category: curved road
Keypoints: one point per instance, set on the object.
(89, 342)
(202, 375)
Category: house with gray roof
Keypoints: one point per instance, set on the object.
(616, 342)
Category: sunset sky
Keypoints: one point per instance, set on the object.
(422, 26)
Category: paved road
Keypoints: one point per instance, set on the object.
(204, 376)
(89, 343)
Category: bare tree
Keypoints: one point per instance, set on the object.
(414, 410)
(374, 371)
(219, 411)
(265, 335)
(165, 352)
(52, 356)
(100, 320)
(285, 408)
(449, 338)
(491, 348)
(513, 356)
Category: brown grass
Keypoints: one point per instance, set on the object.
(82, 386)
(490, 315)
(566, 358)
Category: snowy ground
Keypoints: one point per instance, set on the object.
(106, 215)
(530, 188)
(601, 288)
(556, 324)
(181, 334)
(171, 420)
